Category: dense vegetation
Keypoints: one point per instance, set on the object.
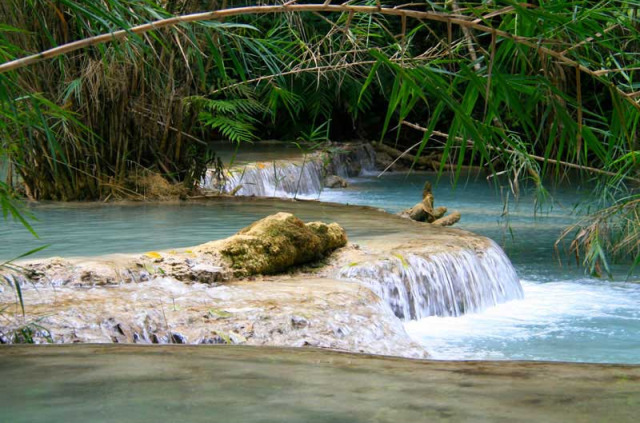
(531, 90)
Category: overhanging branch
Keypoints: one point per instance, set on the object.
(449, 19)
(530, 156)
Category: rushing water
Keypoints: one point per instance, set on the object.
(450, 284)
(564, 315)
(570, 320)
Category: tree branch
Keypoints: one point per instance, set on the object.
(449, 19)
(530, 156)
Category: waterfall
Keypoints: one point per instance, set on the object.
(354, 162)
(284, 179)
(443, 284)
(297, 178)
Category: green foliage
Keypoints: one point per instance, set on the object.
(611, 232)
(12, 208)
(533, 91)
(234, 118)
(566, 104)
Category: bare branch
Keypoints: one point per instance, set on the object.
(531, 156)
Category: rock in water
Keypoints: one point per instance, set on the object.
(334, 181)
(277, 242)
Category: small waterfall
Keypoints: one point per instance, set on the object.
(447, 284)
(301, 178)
(284, 179)
(354, 162)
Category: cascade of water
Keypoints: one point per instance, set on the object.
(301, 178)
(446, 284)
(354, 162)
(288, 179)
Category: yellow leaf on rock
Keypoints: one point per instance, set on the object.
(153, 255)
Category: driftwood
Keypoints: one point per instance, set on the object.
(424, 211)
(406, 159)
(448, 220)
(438, 212)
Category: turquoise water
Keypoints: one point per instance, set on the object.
(565, 315)
(482, 205)
(91, 229)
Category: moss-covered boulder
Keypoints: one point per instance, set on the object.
(277, 242)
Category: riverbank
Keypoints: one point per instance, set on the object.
(113, 383)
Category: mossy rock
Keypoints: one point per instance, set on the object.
(278, 242)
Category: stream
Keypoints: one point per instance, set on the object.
(565, 315)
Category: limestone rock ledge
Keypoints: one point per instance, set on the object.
(269, 246)
(293, 311)
(193, 296)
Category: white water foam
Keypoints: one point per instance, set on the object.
(300, 178)
(585, 320)
(444, 284)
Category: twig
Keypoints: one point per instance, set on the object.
(399, 157)
(314, 69)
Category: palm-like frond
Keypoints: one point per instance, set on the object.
(528, 90)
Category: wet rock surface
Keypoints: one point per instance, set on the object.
(287, 311)
(257, 385)
(334, 181)
(192, 295)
